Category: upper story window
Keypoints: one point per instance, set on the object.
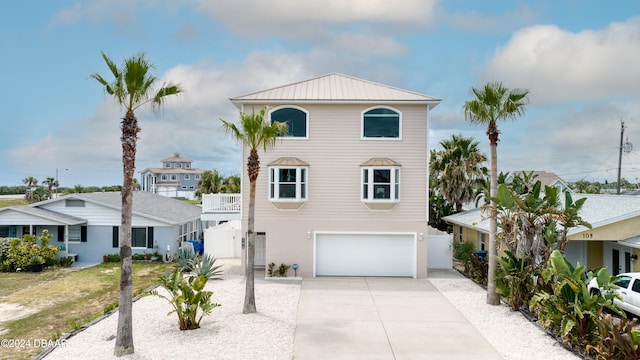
(187, 177)
(381, 182)
(167, 165)
(174, 177)
(177, 165)
(288, 182)
(297, 121)
(197, 176)
(381, 123)
(164, 177)
(187, 165)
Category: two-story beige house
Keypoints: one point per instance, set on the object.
(345, 192)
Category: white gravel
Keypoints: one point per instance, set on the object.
(224, 334)
(510, 333)
(269, 334)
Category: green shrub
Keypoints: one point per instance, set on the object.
(514, 280)
(618, 339)
(114, 258)
(564, 305)
(282, 270)
(21, 251)
(4, 247)
(187, 297)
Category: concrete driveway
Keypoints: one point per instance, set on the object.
(382, 318)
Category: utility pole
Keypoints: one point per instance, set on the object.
(626, 147)
(620, 155)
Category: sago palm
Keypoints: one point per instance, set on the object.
(254, 133)
(493, 103)
(132, 87)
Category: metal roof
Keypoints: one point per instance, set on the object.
(598, 210)
(335, 88)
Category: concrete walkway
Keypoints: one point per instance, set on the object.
(382, 318)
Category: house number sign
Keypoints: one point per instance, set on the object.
(587, 236)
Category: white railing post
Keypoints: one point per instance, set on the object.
(226, 203)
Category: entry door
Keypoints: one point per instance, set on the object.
(261, 250)
(620, 260)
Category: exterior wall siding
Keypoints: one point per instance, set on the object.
(99, 215)
(334, 152)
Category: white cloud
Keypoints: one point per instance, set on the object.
(189, 124)
(558, 65)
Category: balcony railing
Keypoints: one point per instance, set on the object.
(221, 203)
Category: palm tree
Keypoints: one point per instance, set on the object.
(50, 183)
(458, 168)
(30, 182)
(132, 88)
(494, 103)
(210, 182)
(254, 133)
(231, 185)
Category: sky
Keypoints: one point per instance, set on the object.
(580, 61)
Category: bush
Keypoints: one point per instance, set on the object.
(4, 247)
(21, 251)
(114, 258)
(564, 305)
(187, 297)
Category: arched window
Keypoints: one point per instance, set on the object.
(381, 122)
(296, 120)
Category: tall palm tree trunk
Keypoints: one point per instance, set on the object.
(492, 296)
(124, 339)
(253, 167)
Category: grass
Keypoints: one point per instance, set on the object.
(62, 300)
(12, 202)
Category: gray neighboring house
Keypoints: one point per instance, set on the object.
(87, 224)
(176, 178)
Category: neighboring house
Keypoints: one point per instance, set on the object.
(176, 178)
(87, 224)
(546, 179)
(614, 240)
(344, 193)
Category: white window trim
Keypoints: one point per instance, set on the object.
(362, 137)
(394, 198)
(306, 137)
(273, 179)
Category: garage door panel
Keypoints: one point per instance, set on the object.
(365, 255)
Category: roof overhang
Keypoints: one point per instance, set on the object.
(633, 242)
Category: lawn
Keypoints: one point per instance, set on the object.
(12, 202)
(60, 300)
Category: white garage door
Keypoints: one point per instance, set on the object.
(365, 254)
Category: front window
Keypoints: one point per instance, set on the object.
(288, 183)
(75, 234)
(186, 176)
(380, 184)
(139, 237)
(164, 177)
(197, 176)
(381, 123)
(295, 119)
(174, 177)
(187, 165)
(177, 165)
